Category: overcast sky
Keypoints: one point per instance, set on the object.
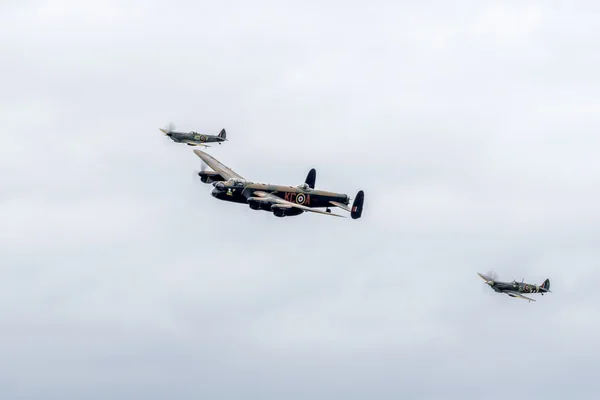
(472, 126)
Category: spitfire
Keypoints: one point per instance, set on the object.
(281, 200)
(514, 288)
(194, 138)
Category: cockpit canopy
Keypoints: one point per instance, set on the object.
(237, 182)
(304, 186)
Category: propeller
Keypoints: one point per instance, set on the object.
(203, 168)
(169, 128)
(492, 275)
(490, 278)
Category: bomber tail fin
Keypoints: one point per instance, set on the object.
(311, 178)
(357, 205)
(546, 285)
(223, 134)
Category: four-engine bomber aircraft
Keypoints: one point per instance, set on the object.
(194, 138)
(280, 200)
(514, 288)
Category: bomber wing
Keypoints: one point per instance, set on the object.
(517, 294)
(340, 205)
(217, 166)
(278, 200)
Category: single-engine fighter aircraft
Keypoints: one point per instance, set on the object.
(514, 288)
(280, 200)
(194, 138)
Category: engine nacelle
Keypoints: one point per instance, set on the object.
(210, 177)
(282, 211)
(279, 212)
(256, 204)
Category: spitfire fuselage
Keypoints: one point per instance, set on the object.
(194, 137)
(516, 287)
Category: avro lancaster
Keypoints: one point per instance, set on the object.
(281, 200)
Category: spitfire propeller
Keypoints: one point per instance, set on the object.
(168, 129)
(490, 278)
(493, 277)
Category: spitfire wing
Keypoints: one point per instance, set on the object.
(517, 294)
(217, 166)
(278, 200)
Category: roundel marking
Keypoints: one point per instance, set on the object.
(202, 138)
(300, 198)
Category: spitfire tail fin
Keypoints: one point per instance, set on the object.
(546, 285)
(223, 134)
(357, 205)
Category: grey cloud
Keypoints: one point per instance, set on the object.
(471, 127)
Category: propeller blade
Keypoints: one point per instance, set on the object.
(170, 127)
(484, 277)
(492, 275)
